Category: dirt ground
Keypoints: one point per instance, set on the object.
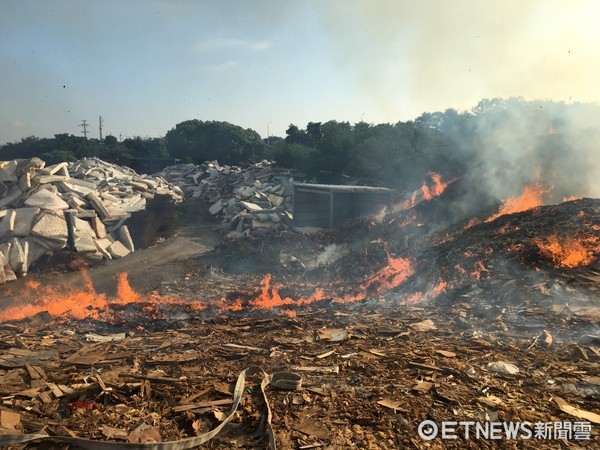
(359, 375)
(166, 261)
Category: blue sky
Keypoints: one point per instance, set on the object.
(145, 65)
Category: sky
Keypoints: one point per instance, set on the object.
(146, 65)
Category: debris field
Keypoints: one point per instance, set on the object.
(344, 338)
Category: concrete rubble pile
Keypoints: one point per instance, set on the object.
(81, 205)
(255, 199)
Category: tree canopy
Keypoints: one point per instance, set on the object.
(496, 140)
(204, 141)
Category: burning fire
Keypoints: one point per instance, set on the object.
(86, 303)
(478, 270)
(270, 298)
(425, 192)
(83, 303)
(396, 272)
(432, 293)
(437, 189)
(568, 252)
(530, 198)
(390, 277)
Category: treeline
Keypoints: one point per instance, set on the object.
(494, 141)
(135, 152)
(190, 141)
(496, 148)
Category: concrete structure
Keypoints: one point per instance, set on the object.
(326, 205)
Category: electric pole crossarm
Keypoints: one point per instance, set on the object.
(84, 125)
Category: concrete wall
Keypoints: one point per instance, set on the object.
(323, 207)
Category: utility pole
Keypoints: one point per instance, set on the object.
(100, 122)
(84, 124)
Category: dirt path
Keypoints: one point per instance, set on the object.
(167, 260)
(149, 267)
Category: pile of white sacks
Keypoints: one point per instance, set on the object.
(82, 205)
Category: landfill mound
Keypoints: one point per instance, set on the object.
(342, 338)
(547, 259)
(83, 206)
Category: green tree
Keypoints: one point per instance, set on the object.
(223, 141)
(58, 156)
(147, 148)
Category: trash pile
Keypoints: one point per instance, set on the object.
(81, 205)
(362, 373)
(256, 199)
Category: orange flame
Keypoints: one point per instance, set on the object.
(530, 198)
(396, 272)
(81, 303)
(425, 192)
(567, 252)
(478, 270)
(75, 303)
(390, 277)
(432, 293)
(125, 293)
(269, 297)
(472, 223)
(438, 187)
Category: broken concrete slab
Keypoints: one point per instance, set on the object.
(53, 228)
(60, 169)
(125, 238)
(24, 218)
(25, 166)
(98, 227)
(251, 206)
(35, 250)
(8, 171)
(46, 199)
(216, 208)
(116, 212)
(103, 244)
(276, 200)
(16, 259)
(10, 195)
(98, 205)
(49, 179)
(7, 224)
(85, 243)
(25, 183)
(118, 250)
(262, 224)
(5, 250)
(78, 186)
(86, 214)
(26, 262)
(82, 225)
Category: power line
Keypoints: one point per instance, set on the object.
(84, 124)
